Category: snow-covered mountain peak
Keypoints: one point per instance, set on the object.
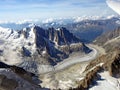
(12, 43)
(32, 41)
(5, 32)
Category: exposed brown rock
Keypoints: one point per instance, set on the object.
(88, 80)
(111, 63)
(114, 68)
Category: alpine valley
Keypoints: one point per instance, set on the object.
(78, 54)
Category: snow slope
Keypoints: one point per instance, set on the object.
(11, 43)
(107, 82)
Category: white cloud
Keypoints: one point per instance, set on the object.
(30, 9)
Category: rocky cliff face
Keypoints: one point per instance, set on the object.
(60, 36)
(52, 43)
(89, 79)
(46, 40)
(114, 67)
(35, 46)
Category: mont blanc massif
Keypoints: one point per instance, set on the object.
(80, 53)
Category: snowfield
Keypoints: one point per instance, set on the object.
(11, 43)
(107, 82)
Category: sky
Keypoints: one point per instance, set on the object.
(34, 9)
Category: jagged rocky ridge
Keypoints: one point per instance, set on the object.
(34, 46)
(88, 80)
(89, 27)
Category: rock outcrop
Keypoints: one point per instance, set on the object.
(89, 79)
(48, 43)
(61, 36)
(109, 62)
(114, 67)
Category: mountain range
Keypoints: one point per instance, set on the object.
(35, 50)
(79, 26)
(35, 45)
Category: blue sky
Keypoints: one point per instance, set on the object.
(33, 9)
